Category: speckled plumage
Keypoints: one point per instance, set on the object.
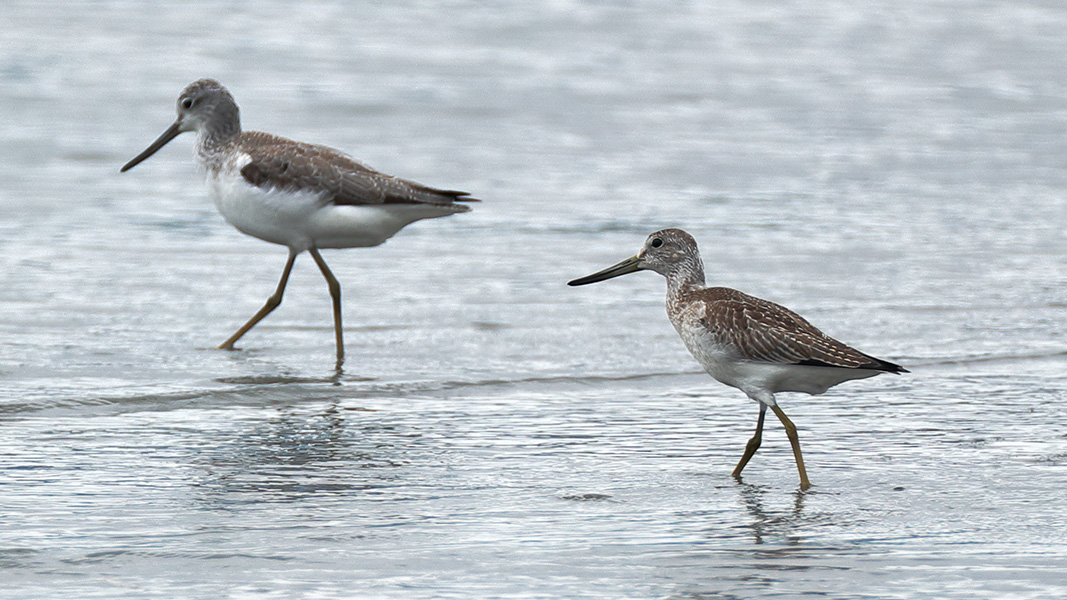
(755, 345)
(761, 331)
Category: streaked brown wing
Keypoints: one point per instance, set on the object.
(764, 331)
(291, 165)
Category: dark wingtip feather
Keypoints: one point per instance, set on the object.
(441, 198)
(885, 365)
(875, 364)
(894, 368)
(417, 193)
(458, 196)
(455, 195)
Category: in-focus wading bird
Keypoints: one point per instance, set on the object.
(756, 346)
(299, 195)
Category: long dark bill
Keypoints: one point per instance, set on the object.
(630, 265)
(168, 135)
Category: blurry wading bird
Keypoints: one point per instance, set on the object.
(299, 195)
(756, 346)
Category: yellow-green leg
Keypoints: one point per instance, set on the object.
(335, 294)
(753, 444)
(272, 303)
(791, 431)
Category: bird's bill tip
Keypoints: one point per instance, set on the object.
(168, 135)
(630, 265)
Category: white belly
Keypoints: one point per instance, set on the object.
(302, 220)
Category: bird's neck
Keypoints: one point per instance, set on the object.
(218, 135)
(684, 277)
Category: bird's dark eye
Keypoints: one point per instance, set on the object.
(187, 103)
(656, 243)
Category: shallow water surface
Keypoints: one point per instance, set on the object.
(894, 173)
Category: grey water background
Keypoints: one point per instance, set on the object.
(894, 171)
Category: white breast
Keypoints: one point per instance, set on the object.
(272, 215)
